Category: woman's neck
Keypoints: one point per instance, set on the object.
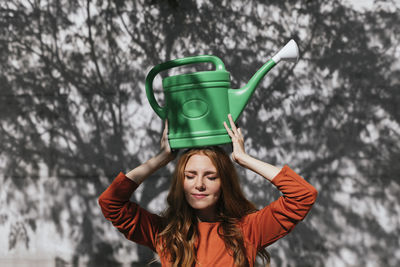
(206, 215)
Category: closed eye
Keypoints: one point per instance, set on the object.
(212, 178)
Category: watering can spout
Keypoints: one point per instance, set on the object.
(238, 98)
(290, 52)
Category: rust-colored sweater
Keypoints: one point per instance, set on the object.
(260, 229)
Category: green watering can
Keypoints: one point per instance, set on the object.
(197, 104)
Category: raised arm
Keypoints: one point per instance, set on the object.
(277, 219)
(264, 227)
(264, 169)
(140, 173)
(134, 222)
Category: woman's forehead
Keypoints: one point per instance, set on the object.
(200, 162)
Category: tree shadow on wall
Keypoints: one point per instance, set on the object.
(73, 109)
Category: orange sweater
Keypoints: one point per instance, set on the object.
(260, 229)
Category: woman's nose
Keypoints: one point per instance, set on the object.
(199, 184)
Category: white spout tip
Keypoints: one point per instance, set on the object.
(290, 52)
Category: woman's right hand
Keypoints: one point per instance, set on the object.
(141, 172)
(165, 149)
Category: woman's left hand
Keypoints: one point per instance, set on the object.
(237, 140)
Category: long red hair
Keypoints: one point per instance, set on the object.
(179, 235)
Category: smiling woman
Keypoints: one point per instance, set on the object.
(202, 186)
(208, 222)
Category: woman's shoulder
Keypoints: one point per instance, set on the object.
(249, 217)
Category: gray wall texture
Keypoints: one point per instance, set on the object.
(73, 113)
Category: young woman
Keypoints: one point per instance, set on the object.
(208, 221)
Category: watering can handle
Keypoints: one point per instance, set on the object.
(161, 112)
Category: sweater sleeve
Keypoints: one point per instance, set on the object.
(129, 218)
(274, 221)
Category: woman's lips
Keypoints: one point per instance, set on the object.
(199, 196)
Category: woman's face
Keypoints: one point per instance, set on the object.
(202, 185)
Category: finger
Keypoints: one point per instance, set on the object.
(233, 126)
(230, 133)
(240, 132)
(165, 132)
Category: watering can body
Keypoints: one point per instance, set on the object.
(197, 104)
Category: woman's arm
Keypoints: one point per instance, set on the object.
(277, 219)
(140, 173)
(264, 169)
(134, 222)
(264, 227)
